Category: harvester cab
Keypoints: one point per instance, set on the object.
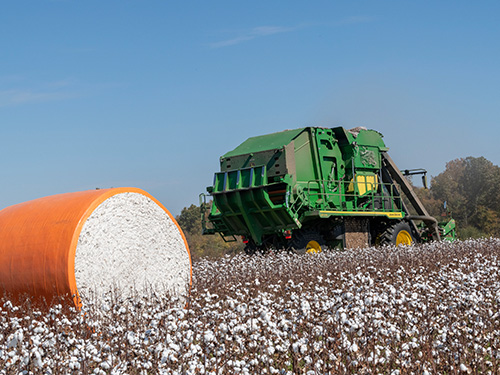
(312, 188)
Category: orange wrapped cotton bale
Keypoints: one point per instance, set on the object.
(77, 243)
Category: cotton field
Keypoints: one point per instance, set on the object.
(430, 309)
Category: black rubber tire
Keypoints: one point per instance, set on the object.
(302, 238)
(390, 234)
(250, 250)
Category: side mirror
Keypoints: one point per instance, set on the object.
(424, 181)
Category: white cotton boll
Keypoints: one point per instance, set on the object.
(343, 318)
(176, 348)
(305, 306)
(266, 316)
(349, 296)
(223, 328)
(15, 339)
(240, 328)
(74, 364)
(241, 308)
(39, 329)
(165, 355)
(253, 324)
(131, 338)
(122, 310)
(106, 365)
(208, 336)
(37, 360)
(13, 356)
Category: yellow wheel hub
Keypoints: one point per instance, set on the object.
(404, 238)
(313, 247)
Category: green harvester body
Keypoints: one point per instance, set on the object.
(294, 181)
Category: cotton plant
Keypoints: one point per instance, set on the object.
(393, 310)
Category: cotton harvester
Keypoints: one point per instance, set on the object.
(313, 188)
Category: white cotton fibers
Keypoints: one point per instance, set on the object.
(131, 245)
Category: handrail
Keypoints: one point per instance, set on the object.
(347, 197)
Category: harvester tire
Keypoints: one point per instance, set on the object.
(250, 249)
(397, 234)
(309, 241)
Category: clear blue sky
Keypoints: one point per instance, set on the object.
(149, 93)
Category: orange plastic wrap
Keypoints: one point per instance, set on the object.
(38, 241)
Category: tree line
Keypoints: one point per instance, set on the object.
(469, 186)
(471, 189)
(204, 246)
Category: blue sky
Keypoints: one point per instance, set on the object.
(150, 93)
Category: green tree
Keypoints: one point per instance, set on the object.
(203, 245)
(471, 188)
(433, 205)
(190, 219)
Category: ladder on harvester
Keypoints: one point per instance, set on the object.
(422, 213)
(219, 226)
